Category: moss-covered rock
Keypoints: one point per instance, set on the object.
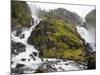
(56, 39)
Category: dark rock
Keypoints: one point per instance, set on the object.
(91, 64)
(20, 45)
(22, 36)
(35, 53)
(32, 56)
(66, 64)
(91, 60)
(20, 65)
(12, 62)
(18, 69)
(17, 48)
(61, 68)
(89, 49)
(28, 59)
(18, 32)
(23, 59)
(32, 21)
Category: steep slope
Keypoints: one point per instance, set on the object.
(55, 38)
(20, 18)
(20, 14)
(62, 14)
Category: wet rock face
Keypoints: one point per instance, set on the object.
(18, 32)
(91, 60)
(18, 69)
(32, 56)
(17, 48)
(89, 49)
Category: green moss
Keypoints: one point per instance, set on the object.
(57, 39)
(66, 30)
(76, 55)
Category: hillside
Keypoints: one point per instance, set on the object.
(20, 14)
(62, 14)
(57, 39)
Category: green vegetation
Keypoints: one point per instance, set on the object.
(56, 35)
(70, 54)
(20, 14)
(57, 39)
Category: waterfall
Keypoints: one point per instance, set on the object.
(85, 34)
(32, 61)
(29, 58)
(26, 32)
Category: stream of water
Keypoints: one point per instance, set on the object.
(33, 64)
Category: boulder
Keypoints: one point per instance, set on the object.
(17, 48)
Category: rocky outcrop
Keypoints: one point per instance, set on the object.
(18, 69)
(90, 25)
(91, 56)
(57, 39)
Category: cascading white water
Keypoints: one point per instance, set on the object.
(29, 48)
(85, 34)
(34, 64)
